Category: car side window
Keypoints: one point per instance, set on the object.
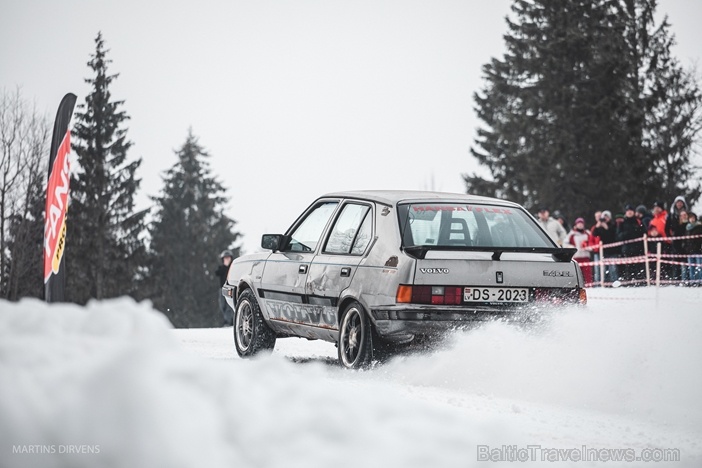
(307, 234)
(351, 231)
(364, 236)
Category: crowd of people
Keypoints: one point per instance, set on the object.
(625, 239)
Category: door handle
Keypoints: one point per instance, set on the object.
(302, 269)
(346, 271)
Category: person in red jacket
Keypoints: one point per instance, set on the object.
(594, 246)
(660, 218)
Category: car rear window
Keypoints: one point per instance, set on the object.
(468, 225)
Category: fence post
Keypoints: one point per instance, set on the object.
(648, 271)
(658, 265)
(601, 266)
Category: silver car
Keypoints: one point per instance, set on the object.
(369, 270)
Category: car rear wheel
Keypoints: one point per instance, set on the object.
(355, 338)
(251, 332)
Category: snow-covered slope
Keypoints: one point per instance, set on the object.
(112, 385)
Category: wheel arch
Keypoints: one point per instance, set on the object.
(344, 303)
(243, 286)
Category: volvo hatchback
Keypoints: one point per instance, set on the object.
(370, 270)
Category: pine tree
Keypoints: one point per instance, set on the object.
(667, 104)
(569, 110)
(189, 232)
(104, 245)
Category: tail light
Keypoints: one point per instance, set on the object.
(437, 295)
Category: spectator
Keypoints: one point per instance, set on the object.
(606, 230)
(226, 258)
(678, 205)
(598, 215)
(660, 218)
(674, 216)
(678, 229)
(644, 215)
(655, 238)
(552, 227)
(558, 216)
(630, 229)
(579, 238)
(694, 248)
(594, 244)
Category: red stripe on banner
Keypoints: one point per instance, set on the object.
(56, 205)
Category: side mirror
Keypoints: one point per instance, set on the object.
(272, 242)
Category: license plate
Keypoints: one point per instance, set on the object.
(496, 295)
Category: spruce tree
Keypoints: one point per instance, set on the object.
(104, 244)
(667, 103)
(569, 110)
(189, 232)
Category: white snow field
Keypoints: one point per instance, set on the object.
(112, 385)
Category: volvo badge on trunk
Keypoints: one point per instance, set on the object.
(435, 271)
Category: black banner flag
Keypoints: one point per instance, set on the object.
(57, 203)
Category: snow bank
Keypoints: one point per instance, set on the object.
(635, 352)
(109, 385)
(112, 385)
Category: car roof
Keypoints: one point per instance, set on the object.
(392, 197)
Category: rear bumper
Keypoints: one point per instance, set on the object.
(421, 321)
(405, 319)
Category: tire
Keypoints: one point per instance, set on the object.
(251, 332)
(355, 338)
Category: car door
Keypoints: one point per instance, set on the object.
(335, 265)
(283, 282)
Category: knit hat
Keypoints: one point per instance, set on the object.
(658, 204)
(641, 209)
(607, 213)
(579, 220)
(629, 207)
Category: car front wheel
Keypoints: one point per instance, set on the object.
(251, 332)
(355, 338)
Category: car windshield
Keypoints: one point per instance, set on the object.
(473, 226)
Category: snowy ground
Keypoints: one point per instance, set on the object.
(112, 385)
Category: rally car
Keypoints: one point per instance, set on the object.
(368, 270)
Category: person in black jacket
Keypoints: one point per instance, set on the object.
(226, 257)
(606, 230)
(678, 229)
(644, 215)
(631, 228)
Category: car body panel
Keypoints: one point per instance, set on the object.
(478, 269)
(309, 303)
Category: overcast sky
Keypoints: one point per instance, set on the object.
(292, 98)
